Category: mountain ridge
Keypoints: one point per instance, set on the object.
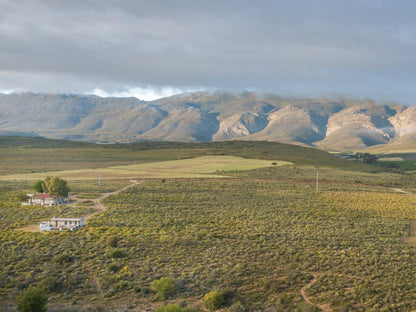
(327, 123)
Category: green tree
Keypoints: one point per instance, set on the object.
(56, 186)
(163, 287)
(31, 299)
(38, 187)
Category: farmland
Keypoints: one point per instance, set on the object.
(257, 232)
(199, 167)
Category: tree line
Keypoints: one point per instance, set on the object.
(366, 158)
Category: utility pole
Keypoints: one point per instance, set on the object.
(317, 179)
(99, 176)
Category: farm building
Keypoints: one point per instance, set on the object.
(60, 224)
(45, 199)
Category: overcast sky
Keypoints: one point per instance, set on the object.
(156, 48)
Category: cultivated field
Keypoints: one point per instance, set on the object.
(200, 167)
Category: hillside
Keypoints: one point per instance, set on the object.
(203, 117)
(35, 155)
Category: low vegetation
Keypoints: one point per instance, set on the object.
(31, 300)
(250, 242)
(214, 300)
(163, 287)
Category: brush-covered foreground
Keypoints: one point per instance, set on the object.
(262, 238)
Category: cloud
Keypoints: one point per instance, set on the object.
(356, 47)
(145, 94)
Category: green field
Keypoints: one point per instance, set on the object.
(260, 233)
(199, 167)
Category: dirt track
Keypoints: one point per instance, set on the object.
(97, 202)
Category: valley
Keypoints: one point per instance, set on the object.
(260, 235)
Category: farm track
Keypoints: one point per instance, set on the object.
(399, 190)
(97, 201)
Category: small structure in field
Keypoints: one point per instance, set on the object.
(61, 224)
(44, 199)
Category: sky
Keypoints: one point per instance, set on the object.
(151, 49)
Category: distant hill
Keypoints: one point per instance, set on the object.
(330, 124)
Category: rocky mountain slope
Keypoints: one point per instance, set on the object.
(342, 124)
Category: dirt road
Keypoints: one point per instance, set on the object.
(97, 201)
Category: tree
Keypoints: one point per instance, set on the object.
(366, 158)
(163, 287)
(56, 186)
(38, 187)
(31, 299)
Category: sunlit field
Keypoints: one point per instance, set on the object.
(200, 167)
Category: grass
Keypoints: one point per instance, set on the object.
(200, 167)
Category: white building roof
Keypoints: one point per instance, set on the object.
(67, 219)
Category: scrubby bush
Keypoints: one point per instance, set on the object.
(163, 287)
(214, 300)
(113, 240)
(118, 253)
(31, 299)
(176, 308)
(169, 308)
(113, 268)
(51, 284)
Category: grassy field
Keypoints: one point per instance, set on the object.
(200, 167)
(259, 236)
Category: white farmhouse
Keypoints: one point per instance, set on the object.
(45, 199)
(61, 224)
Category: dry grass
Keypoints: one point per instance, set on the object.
(397, 148)
(391, 159)
(30, 228)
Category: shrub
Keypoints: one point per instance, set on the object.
(113, 240)
(214, 300)
(176, 308)
(191, 309)
(122, 285)
(31, 299)
(51, 284)
(163, 287)
(113, 268)
(118, 253)
(169, 308)
(61, 259)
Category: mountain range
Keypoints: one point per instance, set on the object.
(340, 124)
